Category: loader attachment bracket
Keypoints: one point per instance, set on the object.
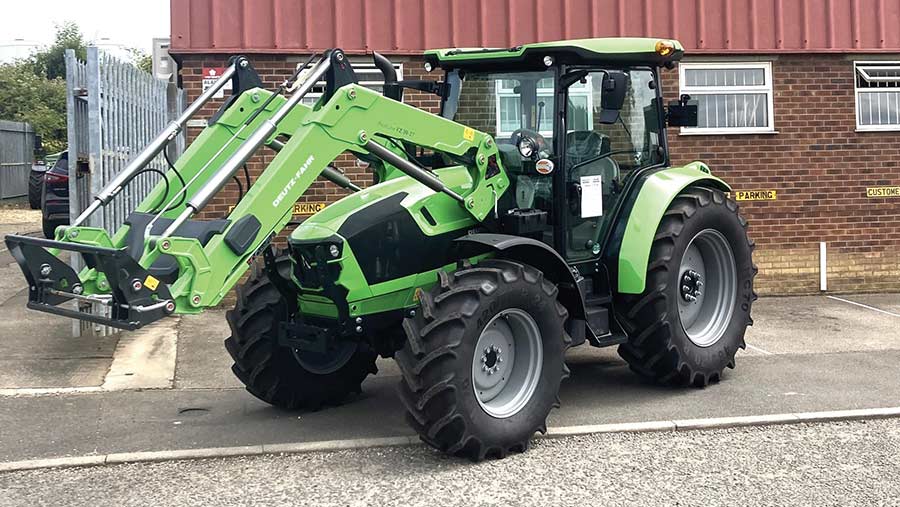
(135, 297)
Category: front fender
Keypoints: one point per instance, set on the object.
(656, 194)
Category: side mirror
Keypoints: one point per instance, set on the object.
(614, 88)
(682, 113)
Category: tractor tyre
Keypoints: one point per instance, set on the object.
(35, 188)
(484, 359)
(281, 376)
(687, 326)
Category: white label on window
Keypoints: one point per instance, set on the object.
(591, 196)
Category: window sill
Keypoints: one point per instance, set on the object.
(726, 132)
(869, 130)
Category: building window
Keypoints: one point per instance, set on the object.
(510, 106)
(734, 98)
(367, 75)
(877, 96)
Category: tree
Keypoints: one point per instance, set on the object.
(141, 59)
(41, 102)
(51, 62)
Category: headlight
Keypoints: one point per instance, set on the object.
(526, 147)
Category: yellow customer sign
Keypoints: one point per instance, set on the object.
(755, 195)
(883, 192)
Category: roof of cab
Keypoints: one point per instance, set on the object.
(612, 50)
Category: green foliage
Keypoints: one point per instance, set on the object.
(41, 102)
(141, 59)
(51, 62)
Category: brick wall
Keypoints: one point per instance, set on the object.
(820, 167)
(818, 164)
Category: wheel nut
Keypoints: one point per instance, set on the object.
(685, 288)
(699, 284)
(46, 270)
(484, 367)
(697, 293)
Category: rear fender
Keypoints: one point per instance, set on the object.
(655, 195)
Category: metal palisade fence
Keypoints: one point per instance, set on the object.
(113, 111)
(16, 157)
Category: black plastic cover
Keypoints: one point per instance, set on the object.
(242, 233)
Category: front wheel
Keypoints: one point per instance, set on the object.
(484, 359)
(690, 321)
(281, 376)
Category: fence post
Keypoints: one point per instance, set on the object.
(95, 131)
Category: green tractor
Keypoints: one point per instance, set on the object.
(538, 211)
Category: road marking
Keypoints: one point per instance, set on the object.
(45, 391)
(879, 310)
(761, 351)
(367, 443)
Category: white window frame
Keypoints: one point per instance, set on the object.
(546, 94)
(697, 91)
(857, 69)
(358, 65)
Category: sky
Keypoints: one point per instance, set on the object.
(132, 23)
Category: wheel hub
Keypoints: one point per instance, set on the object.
(491, 359)
(691, 283)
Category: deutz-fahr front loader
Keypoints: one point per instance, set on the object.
(536, 212)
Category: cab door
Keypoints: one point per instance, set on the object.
(612, 130)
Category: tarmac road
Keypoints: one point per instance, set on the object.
(842, 464)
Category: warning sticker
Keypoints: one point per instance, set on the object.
(151, 283)
(308, 208)
(883, 192)
(469, 134)
(755, 195)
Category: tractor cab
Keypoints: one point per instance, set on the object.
(573, 120)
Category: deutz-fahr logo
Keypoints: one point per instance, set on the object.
(290, 184)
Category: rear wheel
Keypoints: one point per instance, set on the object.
(484, 359)
(690, 321)
(282, 376)
(35, 187)
(49, 227)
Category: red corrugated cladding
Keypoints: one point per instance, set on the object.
(410, 26)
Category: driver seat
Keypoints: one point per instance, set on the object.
(583, 145)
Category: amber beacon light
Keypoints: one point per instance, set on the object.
(665, 47)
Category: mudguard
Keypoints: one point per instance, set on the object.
(656, 194)
(538, 255)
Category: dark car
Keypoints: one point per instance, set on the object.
(55, 196)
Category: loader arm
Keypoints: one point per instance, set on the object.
(211, 259)
(348, 122)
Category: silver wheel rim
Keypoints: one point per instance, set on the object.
(323, 363)
(506, 368)
(707, 288)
